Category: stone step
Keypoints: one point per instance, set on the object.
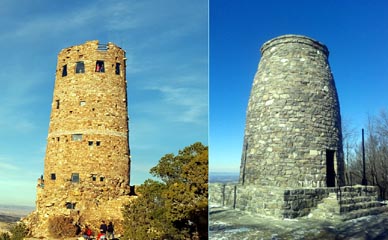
(355, 194)
(364, 212)
(356, 206)
(329, 204)
(356, 200)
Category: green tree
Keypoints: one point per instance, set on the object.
(175, 208)
(144, 217)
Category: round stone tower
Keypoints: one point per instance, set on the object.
(87, 162)
(293, 127)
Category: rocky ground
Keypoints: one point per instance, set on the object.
(232, 224)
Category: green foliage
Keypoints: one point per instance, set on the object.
(60, 226)
(18, 231)
(5, 236)
(145, 215)
(177, 207)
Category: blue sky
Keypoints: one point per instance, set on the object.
(167, 72)
(355, 32)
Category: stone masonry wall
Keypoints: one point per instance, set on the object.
(286, 203)
(87, 161)
(293, 120)
(88, 132)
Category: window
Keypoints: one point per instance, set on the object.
(75, 177)
(117, 68)
(57, 104)
(80, 67)
(82, 103)
(70, 205)
(102, 47)
(76, 137)
(100, 66)
(94, 177)
(98, 143)
(53, 177)
(90, 143)
(64, 70)
(102, 179)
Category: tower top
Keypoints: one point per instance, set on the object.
(292, 38)
(94, 44)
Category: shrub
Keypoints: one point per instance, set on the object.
(5, 236)
(18, 231)
(60, 226)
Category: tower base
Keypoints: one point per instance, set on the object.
(90, 213)
(344, 203)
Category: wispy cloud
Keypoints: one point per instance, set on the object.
(190, 103)
(7, 166)
(114, 16)
(17, 97)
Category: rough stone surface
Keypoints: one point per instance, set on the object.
(293, 120)
(87, 162)
(228, 224)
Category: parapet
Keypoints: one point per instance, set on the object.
(291, 38)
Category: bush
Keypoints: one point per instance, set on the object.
(5, 236)
(18, 231)
(60, 226)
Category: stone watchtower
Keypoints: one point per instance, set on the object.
(87, 162)
(292, 162)
(293, 125)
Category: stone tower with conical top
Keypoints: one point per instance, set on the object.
(87, 162)
(292, 162)
(293, 127)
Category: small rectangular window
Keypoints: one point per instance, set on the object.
(64, 70)
(98, 143)
(82, 103)
(102, 179)
(117, 68)
(100, 66)
(76, 137)
(57, 104)
(75, 177)
(70, 205)
(90, 143)
(53, 177)
(80, 67)
(94, 177)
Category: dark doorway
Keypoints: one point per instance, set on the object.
(330, 168)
